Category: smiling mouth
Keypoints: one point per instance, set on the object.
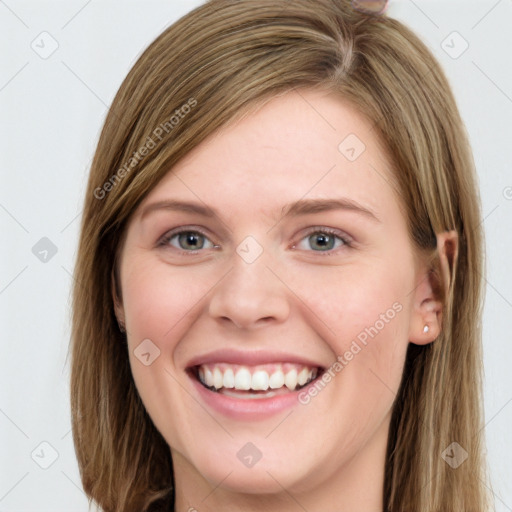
(253, 382)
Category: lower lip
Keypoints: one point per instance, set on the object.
(246, 409)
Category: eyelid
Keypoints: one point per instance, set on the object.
(327, 229)
(344, 237)
(165, 238)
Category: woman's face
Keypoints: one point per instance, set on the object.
(273, 254)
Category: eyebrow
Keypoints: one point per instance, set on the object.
(300, 207)
(311, 206)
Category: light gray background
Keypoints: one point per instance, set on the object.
(52, 108)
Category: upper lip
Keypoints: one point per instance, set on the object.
(250, 358)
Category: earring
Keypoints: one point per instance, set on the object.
(425, 329)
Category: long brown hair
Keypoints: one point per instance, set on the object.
(206, 70)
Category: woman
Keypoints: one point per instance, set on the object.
(278, 286)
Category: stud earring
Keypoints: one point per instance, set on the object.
(425, 329)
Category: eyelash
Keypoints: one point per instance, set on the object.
(345, 239)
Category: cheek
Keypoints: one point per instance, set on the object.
(359, 301)
(365, 314)
(160, 301)
(160, 305)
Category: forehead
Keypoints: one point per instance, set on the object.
(306, 144)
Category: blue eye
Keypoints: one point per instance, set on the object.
(188, 241)
(318, 240)
(324, 240)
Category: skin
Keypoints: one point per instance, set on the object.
(328, 454)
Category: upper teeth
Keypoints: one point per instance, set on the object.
(258, 378)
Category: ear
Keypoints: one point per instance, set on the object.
(429, 295)
(118, 304)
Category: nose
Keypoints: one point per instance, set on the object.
(250, 296)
